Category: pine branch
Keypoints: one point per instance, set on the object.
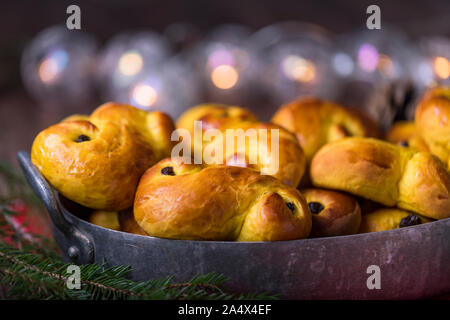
(33, 276)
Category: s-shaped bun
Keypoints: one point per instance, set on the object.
(291, 160)
(193, 202)
(316, 122)
(97, 160)
(385, 173)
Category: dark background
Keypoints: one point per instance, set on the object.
(21, 117)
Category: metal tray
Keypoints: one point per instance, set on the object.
(414, 262)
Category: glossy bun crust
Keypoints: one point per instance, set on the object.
(97, 160)
(214, 116)
(316, 122)
(333, 213)
(388, 219)
(405, 134)
(432, 119)
(193, 202)
(385, 173)
(291, 161)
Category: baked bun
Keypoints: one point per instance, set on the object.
(105, 219)
(333, 213)
(128, 224)
(388, 219)
(291, 160)
(120, 221)
(214, 116)
(385, 173)
(97, 161)
(405, 134)
(432, 120)
(316, 122)
(195, 202)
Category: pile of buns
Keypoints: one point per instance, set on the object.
(337, 174)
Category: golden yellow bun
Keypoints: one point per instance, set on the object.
(316, 122)
(432, 119)
(291, 160)
(385, 173)
(333, 213)
(97, 161)
(76, 117)
(214, 116)
(405, 134)
(105, 219)
(128, 224)
(388, 219)
(195, 202)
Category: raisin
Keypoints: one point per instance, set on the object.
(410, 220)
(404, 143)
(167, 171)
(291, 206)
(315, 207)
(82, 138)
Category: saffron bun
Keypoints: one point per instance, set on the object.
(119, 221)
(214, 116)
(385, 173)
(105, 219)
(405, 134)
(432, 119)
(333, 213)
(97, 160)
(288, 167)
(388, 219)
(316, 122)
(194, 202)
(128, 224)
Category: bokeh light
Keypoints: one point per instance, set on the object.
(299, 69)
(442, 67)
(128, 57)
(379, 57)
(144, 95)
(52, 65)
(224, 76)
(368, 57)
(343, 64)
(295, 59)
(58, 66)
(225, 65)
(431, 65)
(131, 63)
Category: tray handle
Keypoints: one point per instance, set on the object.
(80, 249)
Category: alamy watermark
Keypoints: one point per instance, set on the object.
(374, 20)
(374, 280)
(73, 21)
(74, 279)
